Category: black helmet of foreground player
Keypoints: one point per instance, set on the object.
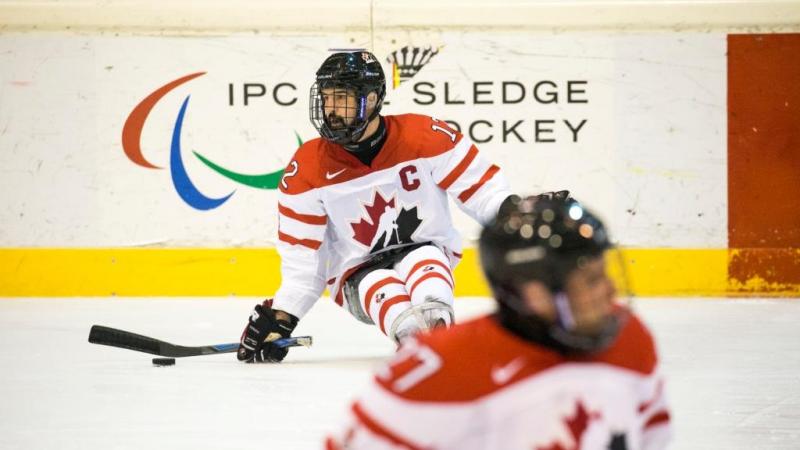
(544, 259)
(340, 105)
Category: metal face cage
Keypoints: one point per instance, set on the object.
(338, 111)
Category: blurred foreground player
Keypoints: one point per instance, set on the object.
(560, 366)
(364, 211)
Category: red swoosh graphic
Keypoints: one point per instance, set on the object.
(132, 131)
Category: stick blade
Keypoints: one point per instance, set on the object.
(124, 339)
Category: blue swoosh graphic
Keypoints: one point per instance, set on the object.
(180, 179)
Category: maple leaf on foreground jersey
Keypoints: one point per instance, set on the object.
(577, 425)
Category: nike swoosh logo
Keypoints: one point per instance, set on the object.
(503, 374)
(333, 175)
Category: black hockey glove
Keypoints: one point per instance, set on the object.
(263, 328)
(554, 195)
(512, 201)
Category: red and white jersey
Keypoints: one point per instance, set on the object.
(335, 211)
(477, 386)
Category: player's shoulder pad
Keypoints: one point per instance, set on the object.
(634, 348)
(304, 169)
(428, 136)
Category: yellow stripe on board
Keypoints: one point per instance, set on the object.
(85, 272)
(88, 272)
(677, 272)
(649, 272)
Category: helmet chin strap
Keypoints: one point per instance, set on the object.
(358, 133)
(565, 317)
(375, 110)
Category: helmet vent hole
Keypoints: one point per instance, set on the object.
(586, 230)
(545, 231)
(526, 231)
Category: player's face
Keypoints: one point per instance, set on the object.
(339, 106)
(591, 294)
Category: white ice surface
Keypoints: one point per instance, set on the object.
(733, 368)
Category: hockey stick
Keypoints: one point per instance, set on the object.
(132, 341)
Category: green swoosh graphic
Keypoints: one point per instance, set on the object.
(263, 181)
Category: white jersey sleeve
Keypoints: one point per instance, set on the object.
(654, 415)
(477, 186)
(302, 224)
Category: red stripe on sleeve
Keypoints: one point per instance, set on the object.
(378, 429)
(388, 304)
(646, 405)
(310, 243)
(330, 444)
(657, 419)
(459, 169)
(305, 218)
(464, 196)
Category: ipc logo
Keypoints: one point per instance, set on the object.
(189, 193)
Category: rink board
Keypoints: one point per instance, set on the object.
(658, 132)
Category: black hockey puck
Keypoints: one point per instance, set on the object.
(163, 361)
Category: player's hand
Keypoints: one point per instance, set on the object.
(264, 326)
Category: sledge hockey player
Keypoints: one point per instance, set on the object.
(560, 365)
(364, 211)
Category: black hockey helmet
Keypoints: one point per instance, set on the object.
(543, 239)
(356, 73)
(540, 239)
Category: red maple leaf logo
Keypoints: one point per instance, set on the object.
(365, 229)
(577, 425)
